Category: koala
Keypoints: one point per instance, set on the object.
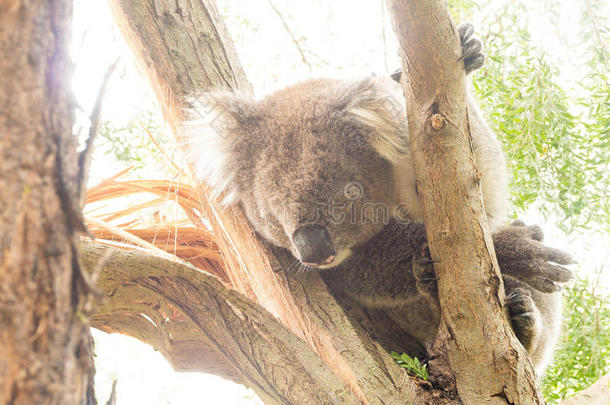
(322, 169)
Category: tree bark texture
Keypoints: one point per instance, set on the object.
(184, 49)
(484, 357)
(45, 355)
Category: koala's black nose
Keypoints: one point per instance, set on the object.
(314, 245)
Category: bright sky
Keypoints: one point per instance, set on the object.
(343, 38)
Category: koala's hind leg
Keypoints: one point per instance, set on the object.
(535, 317)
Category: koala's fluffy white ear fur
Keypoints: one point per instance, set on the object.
(378, 104)
(211, 136)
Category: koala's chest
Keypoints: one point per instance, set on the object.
(375, 277)
(391, 291)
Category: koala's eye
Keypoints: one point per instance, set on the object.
(353, 191)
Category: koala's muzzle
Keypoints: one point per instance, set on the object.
(314, 245)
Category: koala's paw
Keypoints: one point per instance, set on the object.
(472, 48)
(524, 316)
(522, 255)
(423, 270)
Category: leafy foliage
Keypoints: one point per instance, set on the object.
(584, 350)
(556, 138)
(412, 365)
(130, 144)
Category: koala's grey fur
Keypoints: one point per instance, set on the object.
(335, 153)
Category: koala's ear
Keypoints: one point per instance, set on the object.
(376, 103)
(214, 136)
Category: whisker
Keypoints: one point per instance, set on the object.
(293, 265)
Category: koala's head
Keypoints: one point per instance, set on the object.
(310, 164)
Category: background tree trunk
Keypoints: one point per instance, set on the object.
(45, 355)
(485, 359)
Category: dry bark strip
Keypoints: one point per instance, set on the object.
(484, 358)
(45, 355)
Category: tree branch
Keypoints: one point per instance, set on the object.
(201, 325)
(474, 335)
(293, 37)
(84, 158)
(596, 394)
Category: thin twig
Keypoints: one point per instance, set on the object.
(84, 159)
(112, 399)
(383, 38)
(90, 280)
(295, 41)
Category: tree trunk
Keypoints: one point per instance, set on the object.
(596, 394)
(45, 355)
(484, 357)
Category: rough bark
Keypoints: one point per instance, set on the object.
(45, 355)
(475, 342)
(184, 49)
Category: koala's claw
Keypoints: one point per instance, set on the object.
(424, 261)
(465, 30)
(534, 231)
(423, 270)
(524, 316)
(472, 51)
(521, 255)
(472, 48)
(515, 297)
